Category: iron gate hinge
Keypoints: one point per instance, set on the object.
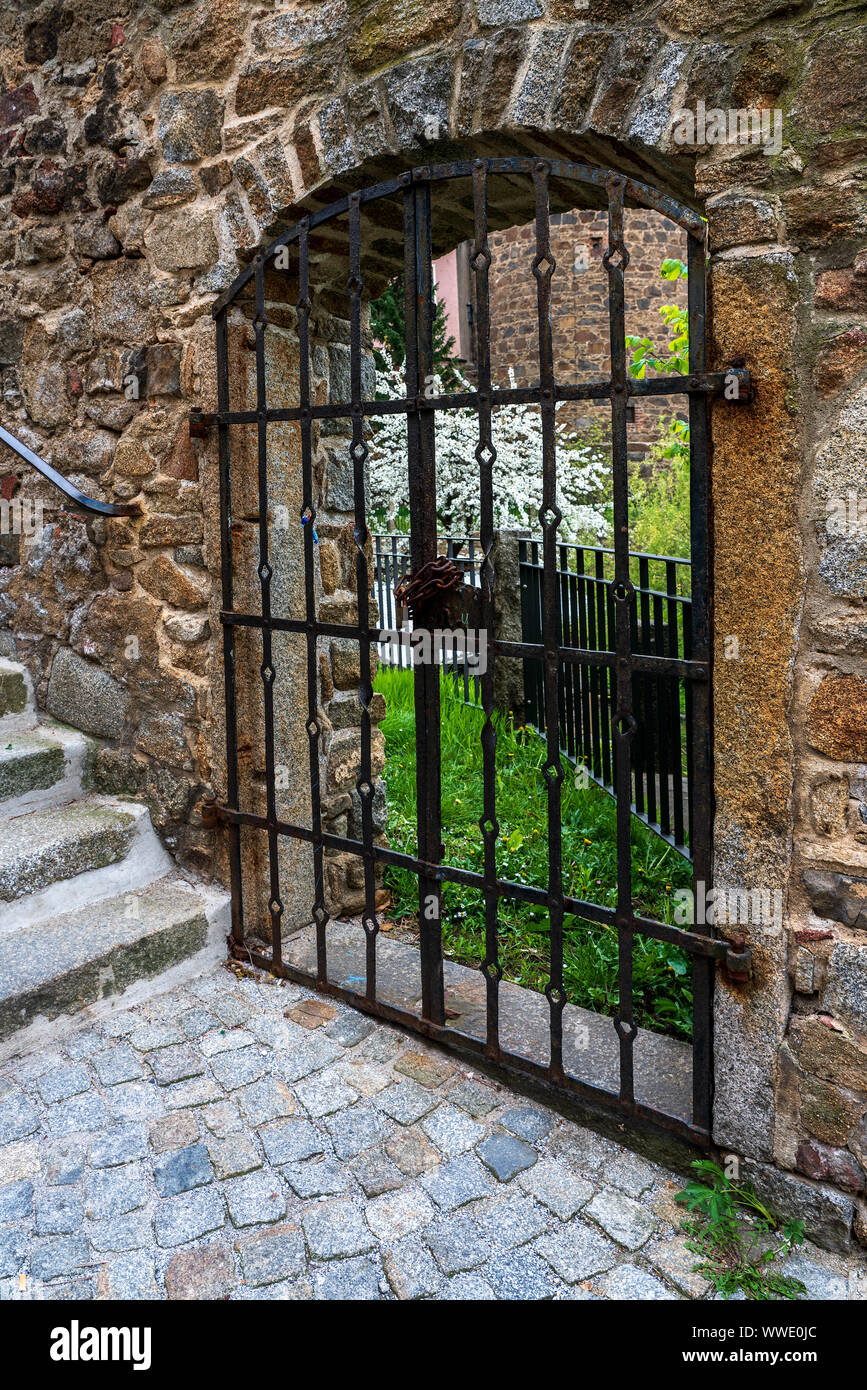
(199, 425)
(739, 960)
(211, 811)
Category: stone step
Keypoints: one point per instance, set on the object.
(43, 847)
(59, 966)
(41, 766)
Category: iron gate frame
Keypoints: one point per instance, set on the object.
(702, 944)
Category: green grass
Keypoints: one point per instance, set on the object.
(662, 994)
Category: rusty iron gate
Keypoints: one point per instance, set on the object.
(413, 193)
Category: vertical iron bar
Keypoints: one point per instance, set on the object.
(701, 774)
(421, 427)
(275, 905)
(227, 583)
(549, 515)
(616, 260)
(358, 453)
(308, 521)
(485, 456)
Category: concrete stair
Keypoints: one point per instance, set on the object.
(91, 904)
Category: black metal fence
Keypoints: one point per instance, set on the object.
(661, 703)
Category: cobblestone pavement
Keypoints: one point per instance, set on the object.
(239, 1138)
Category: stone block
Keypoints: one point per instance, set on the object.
(85, 696)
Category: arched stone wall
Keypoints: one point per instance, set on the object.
(149, 150)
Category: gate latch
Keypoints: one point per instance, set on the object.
(739, 960)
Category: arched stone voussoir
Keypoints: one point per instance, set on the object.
(546, 92)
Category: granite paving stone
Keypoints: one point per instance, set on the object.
(343, 1281)
(149, 1037)
(398, 1214)
(475, 1098)
(113, 1191)
(375, 1173)
(60, 1212)
(14, 1246)
(561, 1191)
(628, 1281)
(317, 1178)
(196, 1022)
(201, 1145)
(80, 1114)
(456, 1243)
(520, 1276)
(241, 1068)
(355, 1129)
(325, 1093)
(16, 1201)
(178, 1220)
(309, 1056)
(115, 1233)
(288, 1141)
(406, 1102)
(207, 1273)
(412, 1152)
(467, 1288)
(349, 1028)
(526, 1123)
(271, 1255)
(118, 1146)
(219, 1040)
(506, 1156)
(367, 1078)
(462, 1180)
(451, 1130)
(677, 1264)
(510, 1221)
(117, 1064)
(64, 1162)
(178, 1063)
(256, 1198)
(173, 1131)
(410, 1270)
(336, 1229)
(195, 1091)
(222, 1118)
(63, 1082)
(625, 1220)
(18, 1117)
(132, 1100)
(426, 1068)
(577, 1251)
(182, 1170)
(129, 1276)
(233, 1155)
(49, 1259)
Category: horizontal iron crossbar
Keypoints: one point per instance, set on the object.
(639, 661)
(703, 384)
(508, 1062)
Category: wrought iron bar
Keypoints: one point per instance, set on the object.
(419, 307)
(77, 498)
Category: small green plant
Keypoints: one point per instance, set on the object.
(675, 357)
(738, 1238)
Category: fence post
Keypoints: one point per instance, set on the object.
(508, 673)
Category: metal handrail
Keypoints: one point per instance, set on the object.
(87, 504)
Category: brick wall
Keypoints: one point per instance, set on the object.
(579, 303)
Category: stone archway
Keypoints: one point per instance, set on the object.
(238, 121)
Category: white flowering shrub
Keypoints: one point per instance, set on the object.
(583, 469)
